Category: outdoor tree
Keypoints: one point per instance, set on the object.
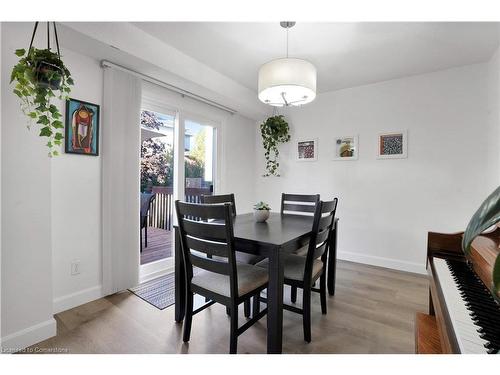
(150, 120)
(156, 164)
(195, 161)
(157, 157)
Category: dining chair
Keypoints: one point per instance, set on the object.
(221, 198)
(146, 200)
(298, 204)
(240, 256)
(303, 271)
(207, 229)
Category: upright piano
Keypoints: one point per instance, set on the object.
(464, 317)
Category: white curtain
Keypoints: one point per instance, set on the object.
(120, 147)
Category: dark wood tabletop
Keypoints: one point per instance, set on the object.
(278, 230)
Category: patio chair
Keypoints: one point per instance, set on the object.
(146, 200)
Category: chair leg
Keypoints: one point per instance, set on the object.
(246, 308)
(188, 318)
(322, 292)
(146, 235)
(208, 299)
(140, 232)
(306, 311)
(233, 345)
(256, 304)
(293, 294)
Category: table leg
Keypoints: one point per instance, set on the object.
(180, 280)
(275, 304)
(332, 260)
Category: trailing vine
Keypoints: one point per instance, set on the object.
(274, 131)
(37, 76)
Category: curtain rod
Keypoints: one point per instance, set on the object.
(182, 92)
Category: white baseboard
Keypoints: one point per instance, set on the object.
(156, 269)
(76, 299)
(372, 260)
(26, 337)
(153, 275)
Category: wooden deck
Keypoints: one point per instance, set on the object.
(160, 245)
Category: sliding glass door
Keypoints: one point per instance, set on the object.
(157, 185)
(199, 160)
(178, 161)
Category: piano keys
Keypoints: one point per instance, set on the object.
(466, 315)
(473, 312)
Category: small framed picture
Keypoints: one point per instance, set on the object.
(346, 148)
(307, 149)
(392, 145)
(82, 128)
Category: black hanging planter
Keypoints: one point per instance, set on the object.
(48, 75)
(48, 67)
(40, 76)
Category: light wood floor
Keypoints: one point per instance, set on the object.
(373, 311)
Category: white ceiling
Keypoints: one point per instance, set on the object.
(345, 54)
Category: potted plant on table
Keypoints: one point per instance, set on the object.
(261, 212)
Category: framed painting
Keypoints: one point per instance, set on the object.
(392, 145)
(346, 148)
(307, 149)
(82, 128)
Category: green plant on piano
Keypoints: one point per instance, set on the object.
(487, 215)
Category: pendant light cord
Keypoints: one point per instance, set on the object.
(287, 42)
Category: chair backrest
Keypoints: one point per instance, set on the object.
(207, 229)
(299, 204)
(222, 198)
(146, 199)
(319, 243)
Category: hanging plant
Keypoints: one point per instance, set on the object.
(39, 76)
(274, 131)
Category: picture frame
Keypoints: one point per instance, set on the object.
(81, 128)
(392, 145)
(307, 149)
(346, 147)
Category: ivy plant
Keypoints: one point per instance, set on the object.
(39, 76)
(274, 131)
(487, 215)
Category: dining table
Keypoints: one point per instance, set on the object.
(279, 235)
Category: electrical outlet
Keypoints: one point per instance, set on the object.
(75, 267)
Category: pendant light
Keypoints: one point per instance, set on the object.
(287, 81)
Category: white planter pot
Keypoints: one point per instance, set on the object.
(261, 216)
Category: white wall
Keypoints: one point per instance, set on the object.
(26, 214)
(494, 106)
(239, 161)
(76, 203)
(386, 207)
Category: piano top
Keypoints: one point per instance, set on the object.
(484, 251)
